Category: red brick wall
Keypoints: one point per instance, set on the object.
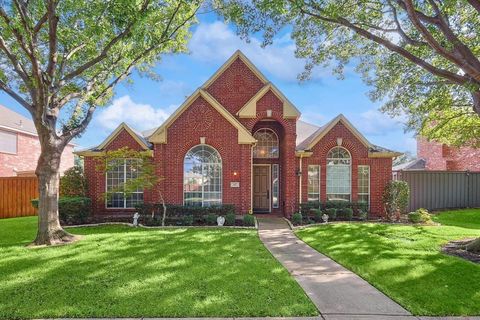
(439, 156)
(97, 180)
(202, 120)
(380, 168)
(235, 86)
(28, 151)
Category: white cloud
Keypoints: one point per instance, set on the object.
(216, 42)
(139, 116)
(373, 122)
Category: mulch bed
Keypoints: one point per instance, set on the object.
(457, 248)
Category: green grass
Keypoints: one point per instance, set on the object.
(405, 262)
(118, 271)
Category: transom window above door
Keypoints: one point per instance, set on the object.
(267, 144)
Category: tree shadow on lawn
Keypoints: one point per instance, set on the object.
(126, 272)
(404, 262)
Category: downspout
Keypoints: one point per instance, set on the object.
(300, 183)
(251, 177)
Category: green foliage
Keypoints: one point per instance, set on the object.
(308, 209)
(73, 183)
(211, 219)
(178, 211)
(72, 210)
(230, 219)
(248, 220)
(363, 215)
(187, 220)
(297, 218)
(141, 162)
(420, 216)
(317, 215)
(345, 213)
(395, 199)
(332, 213)
(410, 75)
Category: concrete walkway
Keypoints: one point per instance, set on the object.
(337, 292)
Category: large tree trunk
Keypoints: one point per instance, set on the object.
(49, 230)
(476, 101)
(474, 246)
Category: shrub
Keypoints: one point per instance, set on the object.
(248, 220)
(211, 219)
(332, 213)
(72, 210)
(363, 214)
(178, 211)
(420, 216)
(345, 213)
(317, 215)
(395, 199)
(73, 183)
(230, 219)
(187, 220)
(297, 218)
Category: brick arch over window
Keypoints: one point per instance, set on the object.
(287, 124)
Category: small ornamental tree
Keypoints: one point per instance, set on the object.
(395, 199)
(73, 183)
(61, 60)
(144, 179)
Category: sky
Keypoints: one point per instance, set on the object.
(146, 103)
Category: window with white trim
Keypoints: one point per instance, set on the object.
(275, 186)
(8, 142)
(202, 177)
(120, 171)
(267, 144)
(339, 180)
(364, 184)
(313, 183)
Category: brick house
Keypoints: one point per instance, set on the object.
(20, 148)
(439, 156)
(238, 140)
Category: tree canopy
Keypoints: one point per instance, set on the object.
(68, 55)
(420, 57)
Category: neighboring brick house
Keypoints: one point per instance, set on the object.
(439, 156)
(238, 140)
(20, 148)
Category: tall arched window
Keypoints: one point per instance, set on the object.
(339, 179)
(202, 177)
(267, 144)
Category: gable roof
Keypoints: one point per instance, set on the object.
(415, 164)
(374, 151)
(249, 109)
(12, 120)
(123, 126)
(237, 54)
(160, 134)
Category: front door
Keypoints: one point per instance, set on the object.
(261, 188)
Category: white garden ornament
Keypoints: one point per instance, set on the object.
(325, 218)
(220, 221)
(135, 219)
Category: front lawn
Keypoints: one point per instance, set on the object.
(405, 262)
(119, 271)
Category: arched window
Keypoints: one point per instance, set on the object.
(339, 180)
(267, 144)
(202, 177)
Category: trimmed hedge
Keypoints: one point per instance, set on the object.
(335, 209)
(178, 211)
(72, 210)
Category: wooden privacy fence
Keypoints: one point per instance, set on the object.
(15, 196)
(435, 190)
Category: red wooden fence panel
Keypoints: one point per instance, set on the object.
(15, 196)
